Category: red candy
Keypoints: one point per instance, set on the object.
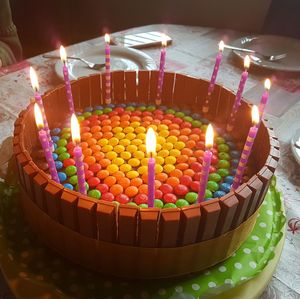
(181, 189)
(186, 180)
(166, 188)
(108, 196)
(122, 198)
(141, 198)
(214, 160)
(170, 198)
(196, 166)
(69, 162)
(103, 188)
(95, 167)
(177, 120)
(93, 182)
(88, 174)
(85, 123)
(197, 176)
(195, 186)
(158, 194)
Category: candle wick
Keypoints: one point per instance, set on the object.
(151, 155)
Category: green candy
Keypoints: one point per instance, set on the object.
(196, 123)
(87, 187)
(80, 118)
(169, 205)
(151, 108)
(71, 170)
(223, 172)
(94, 193)
(224, 156)
(179, 114)
(215, 177)
(223, 164)
(132, 203)
(220, 140)
(107, 110)
(203, 128)
(223, 148)
(62, 142)
(129, 108)
(60, 150)
(97, 112)
(212, 186)
(141, 108)
(158, 203)
(170, 111)
(65, 130)
(73, 180)
(188, 119)
(66, 136)
(63, 156)
(191, 197)
(86, 114)
(208, 194)
(143, 205)
(182, 203)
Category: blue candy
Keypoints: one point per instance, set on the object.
(110, 105)
(163, 108)
(68, 186)
(55, 138)
(78, 113)
(55, 146)
(233, 171)
(56, 131)
(234, 162)
(98, 107)
(225, 187)
(55, 156)
(186, 111)
(59, 164)
(88, 109)
(231, 144)
(219, 130)
(62, 176)
(196, 116)
(235, 154)
(205, 121)
(122, 105)
(227, 137)
(219, 193)
(132, 104)
(229, 179)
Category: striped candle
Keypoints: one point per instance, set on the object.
(264, 98)
(39, 101)
(238, 97)
(107, 69)
(161, 74)
(247, 149)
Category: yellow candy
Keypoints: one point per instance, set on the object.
(128, 130)
(136, 141)
(144, 161)
(159, 160)
(130, 136)
(141, 136)
(172, 139)
(160, 139)
(134, 162)
(113, 141)
(170, 160)
(117, 129)
(164, 133)
(125, 155)
(120, 135)
(175, 152)
(142, 147)
(139, 130)
(119, 148)
(102, 141)
(158, 168)
(168, 146)
(124, 142)
(112, 168)
(163, 153)
(142, 169)
(132, 174)
(162, 127)
(154, 127)
(107, 148)
(125, 167)
(179, 145)
(168, 168)
(118, 161)
(139, 155)
(131, 148)
(135, 124)
(111, 155)
(158, 147)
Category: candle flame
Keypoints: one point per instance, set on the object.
(164, 40)
(107, 38)
(150, 141)
(221, 46)
(209, 137)
(34, 79)
(38, 116)
(63, 54)
(247, 62)
(255, 115)
(75, 130)
(267, 84)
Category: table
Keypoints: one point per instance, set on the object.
(193, 52)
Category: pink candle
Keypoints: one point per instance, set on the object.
(265, 97)
(238, 97)
(151, 149)
(206, 163)
(107, 69)
(38, 99)
(247, 149)
(77, 153)
(63, 56)
(44, 142)
(213, 77)
(161, 70)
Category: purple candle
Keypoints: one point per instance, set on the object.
(264, 98)
(213, 77)
(247, 149)
(238, 97)
(209, 139)
(44, 142)
(38, 99)
(151, 149)
(161, 69)
(63, 57)
(77, 153)
(107, 69)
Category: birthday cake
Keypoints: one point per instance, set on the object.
(111, 228)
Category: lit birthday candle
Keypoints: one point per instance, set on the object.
(38, 99)
(161, 69)
(209, 139)
(247, 149)
(44, 142)
(265, 97)
(63, 57)
(151, 149)
(77, 153)
(107, 69)
(238, 97)
(213, 77)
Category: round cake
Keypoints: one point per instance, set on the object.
(112, 229)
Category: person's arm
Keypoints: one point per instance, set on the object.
(10, 46)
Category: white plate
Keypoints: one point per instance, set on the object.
(272, 45)
(121, 59)
(295, 145)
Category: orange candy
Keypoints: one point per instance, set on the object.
(182, 158)
(84, 145)
(183, 138)
(147, 118)
(95, 129)
(131, 191)
(177, 173)
(156, 122)
(166, 122)
(108, 135)
(173, 126)
(91, 141)
(97, 135)
(175, 132)
(125, 117)
(145, 177)
(104, 162)
(173, 181)
(106, 129)
(96, 148)
(189, 172)
(110, 180)
(106, 122)
(115, 118)
(191, 160)
(187, 151)
(102, 174)
(115, 123)
(136, 182)
(90, 160)
(135, 118)
(143, 189)
(119, 174)
(198, 153)
(182, 166)
(124, 123)
(190, 144)
(194, 137)
(186, 131)
(157, 184)
(99, 156)
(116, 189)
(162, 177)
(124, 182)
(85, 136)
(87, 152)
